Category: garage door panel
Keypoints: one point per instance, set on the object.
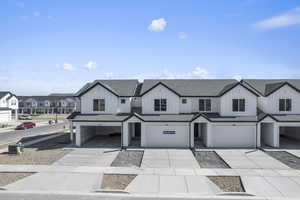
(163, 136)
(233, 136)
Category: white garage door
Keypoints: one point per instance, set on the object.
(5, 116)
(167, 136)
(233, 136)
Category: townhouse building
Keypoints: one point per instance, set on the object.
(187, 113)
(50, 104)
(8, 106)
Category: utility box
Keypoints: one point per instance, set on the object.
(15, 148)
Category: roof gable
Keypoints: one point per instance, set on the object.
(266, 87)
(191, 87)
(121, 88)
(156, 85)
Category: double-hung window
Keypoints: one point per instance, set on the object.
(238, 105)
(204, 105)
(285, 104)
(160, 104)
(99, 105)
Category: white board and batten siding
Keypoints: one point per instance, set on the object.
(238, 92)
(270, 104)
(160, 92)
(192, 104)
(166, 134)
(112, 102)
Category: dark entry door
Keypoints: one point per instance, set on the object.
(137, 128)
(196, 130)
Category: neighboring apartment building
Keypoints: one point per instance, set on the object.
(51, 104)
(8, 106)
(182, 113)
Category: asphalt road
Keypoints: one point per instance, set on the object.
(13, 136)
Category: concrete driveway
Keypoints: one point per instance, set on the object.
(169, 158)
(249, 159)
(89, 157)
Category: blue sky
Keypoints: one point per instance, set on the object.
(58, 45)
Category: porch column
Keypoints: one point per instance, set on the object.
(125, 135)
(192, 135)
(276, 135)
(143, 135)
(71, 130)
(258, 135)
(208, 133)
(78, 135)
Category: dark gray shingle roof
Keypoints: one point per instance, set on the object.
(119, 87)
(3, 93)
(102, 118)
(192, 87)
(287, 118)
(267, 86)
(44, 98)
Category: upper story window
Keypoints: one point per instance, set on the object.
(160, 104)
(238, 105)
(123, 101)
(204, 105)
(13, 102)
(184, 101)
(285, 104)
(21, 104)
(99, 105)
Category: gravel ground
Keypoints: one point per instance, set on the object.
(116, 181)
(228, 183)
(8, 178)
(210, 159)
(128, 159)
(286, 158)
(42, 153)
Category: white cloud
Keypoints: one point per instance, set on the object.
(182, 35)
(20, 4)
(36, 13)
(292, 17)
(157, 25)
(69, 67)
(91, 65)
(237, 77)
(197, 73)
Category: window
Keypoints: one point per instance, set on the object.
(204, 105)
(238, 105)
(183, 101)
(123, 101)
(99, 105)
(285, 104)
(13, 102)
(160, 104)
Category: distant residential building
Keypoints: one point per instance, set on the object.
(51, 104)
(8, 106)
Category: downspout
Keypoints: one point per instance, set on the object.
(122, 136)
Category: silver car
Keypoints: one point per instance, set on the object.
(25, 117)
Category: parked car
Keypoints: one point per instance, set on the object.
(25, 117)
(25, 125)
